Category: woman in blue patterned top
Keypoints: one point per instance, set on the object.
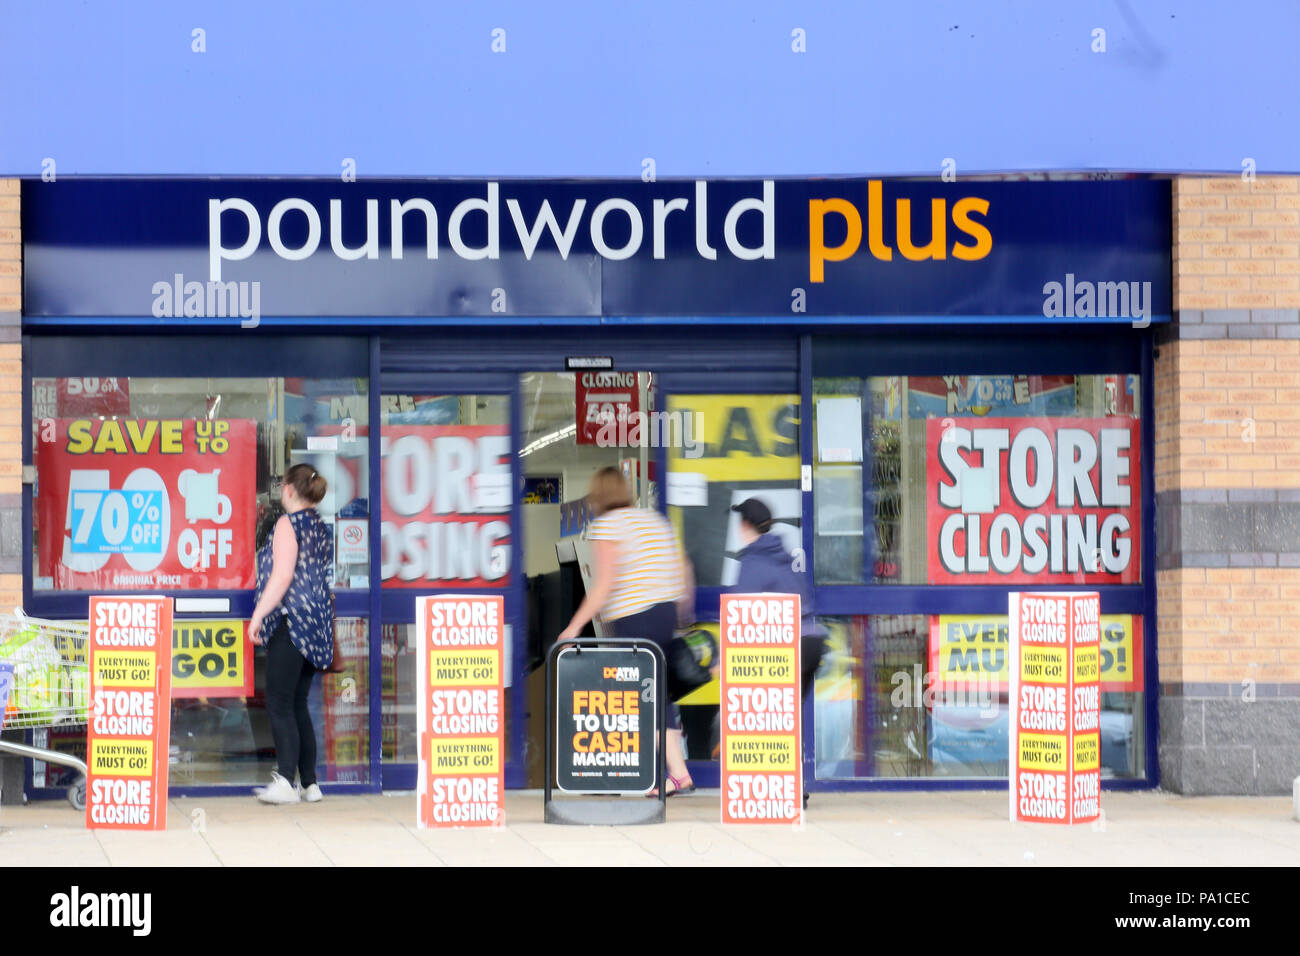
(295, 619)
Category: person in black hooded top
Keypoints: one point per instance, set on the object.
(765, 565)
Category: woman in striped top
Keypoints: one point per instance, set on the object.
(641, 580)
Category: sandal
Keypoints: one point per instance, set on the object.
(680, 786)
(686, 786)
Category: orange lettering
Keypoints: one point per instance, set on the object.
(978, 231)
(937, 247)
(818, 254)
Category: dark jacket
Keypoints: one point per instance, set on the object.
(767, 566)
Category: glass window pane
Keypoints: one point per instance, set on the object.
(398, 718)
(447, 499)
(401, 741)
(733, 447)
(916, 695)
(227, 740)
(979, 479)
(839, 549)
(166, 483)
(446, 472)
(344, 734)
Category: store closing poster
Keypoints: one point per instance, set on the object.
(1055, 741)
(130, 713)
(1046, 501)
(129, 504)
(461, 719)
(762, 762)
(446, 506)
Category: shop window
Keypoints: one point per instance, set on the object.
(447, 499)
(978, 479)
(168, 483)
(446, 474)
(398, 719)
(728, 448)
(925, 695)
(221, 735)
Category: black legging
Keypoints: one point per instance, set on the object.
(654, 623)
(811, 651)
(288, 682)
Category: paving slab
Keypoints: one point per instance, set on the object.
(953, 828)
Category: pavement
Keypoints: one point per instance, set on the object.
(861, 829)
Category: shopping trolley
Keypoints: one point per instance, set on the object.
(51, 686)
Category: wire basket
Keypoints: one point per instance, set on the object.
(51, 681)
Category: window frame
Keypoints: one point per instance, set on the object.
(203, 354)
(991, 350)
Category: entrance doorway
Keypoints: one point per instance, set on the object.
(571, 425)
(490, 440)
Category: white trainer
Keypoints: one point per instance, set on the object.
(280, 791)
(312, 794)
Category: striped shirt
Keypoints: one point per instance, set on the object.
(648, 566)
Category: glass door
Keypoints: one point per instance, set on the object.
(726, 447)
(449, 525)
(572, 424)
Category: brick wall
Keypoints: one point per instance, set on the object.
(11, 456)
(11, 395)
(1227, 467)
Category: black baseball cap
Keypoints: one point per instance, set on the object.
(755, 513)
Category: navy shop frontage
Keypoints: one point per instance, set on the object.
(942, 390)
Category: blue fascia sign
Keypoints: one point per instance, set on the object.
(219, 251)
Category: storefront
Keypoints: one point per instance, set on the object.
(942, 391)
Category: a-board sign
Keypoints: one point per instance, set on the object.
(461, 717)
(1054, 692)
(605, 720)
(129, 732)
(762, 765)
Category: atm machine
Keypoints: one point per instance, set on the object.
(574, 555)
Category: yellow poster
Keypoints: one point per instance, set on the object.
(121, 758)
(967, 650)
(1087, 752)
(126, 668)
(735, 437)
(458, 756)
(1043, 665)
(1042, 752)
(761, 753)
(464, 668)
(773, 665)
(211, 658)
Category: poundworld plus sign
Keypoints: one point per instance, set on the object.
(783, 249)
